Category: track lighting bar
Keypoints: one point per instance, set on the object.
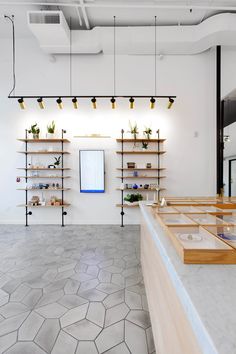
(74, 100)
(97, 96)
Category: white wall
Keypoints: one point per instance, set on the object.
(190, 160)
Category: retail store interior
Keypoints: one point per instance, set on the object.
(118, 177)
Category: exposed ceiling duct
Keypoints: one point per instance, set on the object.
(53, 34)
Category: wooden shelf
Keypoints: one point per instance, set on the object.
(44, 152)
(150, 152)
(140, 189)
(44, 140)
(140, 169)
(43, 169)
(127, 206)
(43, 206)
(44, 177)
(43, 189)
(141, 177)
(139, 140)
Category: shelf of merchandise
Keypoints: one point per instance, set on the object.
(158, 151)
(62, 189)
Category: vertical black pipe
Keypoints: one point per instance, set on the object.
(122, 178)
(26, 179)
(219, 123)
(62, 178)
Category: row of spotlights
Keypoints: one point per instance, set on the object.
(94, 103)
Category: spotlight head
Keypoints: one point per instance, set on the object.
(131, 103)
(152, 102)
(59, 102)
(170, 103)
(113, 103)
(94, 102)
(21, 103)
(75, 103)
(41, 103)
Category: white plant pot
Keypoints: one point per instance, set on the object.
(50, 135)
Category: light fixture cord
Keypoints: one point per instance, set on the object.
(114, 68)
(155, 79)
(70, 60)
(13, 54)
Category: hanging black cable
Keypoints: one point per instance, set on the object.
(13, 54)
(113, 101)
(70, 65)
(155, 56)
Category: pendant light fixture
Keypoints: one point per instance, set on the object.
(170, 103)
(131, 103)
(152, 99)
(113, 103)
(74, 98)
(41, 103)
(94, 102)
(59, 102)
(152, 102)
(113, 100)
(75, 103)
(21, 103)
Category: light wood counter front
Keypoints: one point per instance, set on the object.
(172, 331)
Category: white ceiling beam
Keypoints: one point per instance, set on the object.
(79, 16)
(119, 5)
(84, 12)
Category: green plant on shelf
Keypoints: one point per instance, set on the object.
(58, 161)
(133, 129)
(35, 130)
(51, 128)
(147, 132)
(132, 198)
(144, 145)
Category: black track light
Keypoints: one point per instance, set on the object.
(94, 102)
(21, 103)
(131, 103)
(170, 103)
(41, 103)
(59, 102)
(152, 102)
(113, 103)
(75, 103)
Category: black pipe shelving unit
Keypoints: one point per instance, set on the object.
(158, 168)
(61, 177)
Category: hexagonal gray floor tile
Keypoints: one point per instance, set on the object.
(30, 327)
(140, 318)
(74, 315)
(47, 334)
(114, 299)
(119, 349)
(96, 313)
(83, 330)
(7, 341)
(110, 337)
(64, 344)
(135, 338)
(116, 314)
(71, 301)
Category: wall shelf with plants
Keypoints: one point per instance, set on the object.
(139, 169)
(39, 170)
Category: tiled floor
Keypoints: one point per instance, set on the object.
(72, 290)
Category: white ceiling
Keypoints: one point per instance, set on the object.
(85, 14)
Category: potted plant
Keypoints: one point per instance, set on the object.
(51, 130)
(133, 198)
(57, 161)
(35, 130)
(144, 145)
(147, 132)
(133, 130)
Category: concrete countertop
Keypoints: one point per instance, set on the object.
(207, 293)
